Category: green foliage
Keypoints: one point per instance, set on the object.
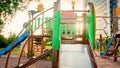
(11, 38)
(3, 41)
(7, 8)
(49, 41)
(1, 25)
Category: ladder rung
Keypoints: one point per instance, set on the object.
(70, 17)
(71, 36)
(69, 21)
(71, 42)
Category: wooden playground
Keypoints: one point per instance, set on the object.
(67, 40)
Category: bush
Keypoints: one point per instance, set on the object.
(11, 38)
(3, 41)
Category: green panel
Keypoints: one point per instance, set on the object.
(92, 26)
(56, 31)
(87, 23)
(91, 30)
(61, 29)
(32, 26)
(42, 20)
(35, 25)
(51, 24)
(47, 23)
(65, 28)
(39, 21)
(28, 27)
(72, 29)
(42, 23)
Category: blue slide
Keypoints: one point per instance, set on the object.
(108, 46)
(18, 41)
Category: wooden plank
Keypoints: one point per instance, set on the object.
(31, 61)
(55, 58)
(69, 21)
(75, 10)
(107, 17)
(71, 42)
(40, 36)
(70, 17)
(71, 36)
(92, 55)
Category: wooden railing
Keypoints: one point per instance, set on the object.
(6, 64)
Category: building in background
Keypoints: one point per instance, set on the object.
(102, 8)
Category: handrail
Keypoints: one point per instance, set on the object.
(27, 41)
(35, 59)
(20, 33)
(91, 53)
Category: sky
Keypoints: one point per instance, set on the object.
(16, 24)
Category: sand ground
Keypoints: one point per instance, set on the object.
(101, 62)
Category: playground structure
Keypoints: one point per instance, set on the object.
(112, 45)
(67, 40)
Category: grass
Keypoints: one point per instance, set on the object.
(1, 48)
(14, 51)
(48, 47)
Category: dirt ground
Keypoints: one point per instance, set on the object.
(101, 62)
(13, 61)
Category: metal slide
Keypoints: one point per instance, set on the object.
(18, 41)
(75, 56)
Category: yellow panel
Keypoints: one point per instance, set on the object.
(118, 11)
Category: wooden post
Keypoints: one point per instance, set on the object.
(43, 44)
(91, 53)
(114, 33)
(101, 42)
(55, 52)
(84, 28)
(55, 59)
(30, 42)
(115, 51)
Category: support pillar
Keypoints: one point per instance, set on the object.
(55, 59)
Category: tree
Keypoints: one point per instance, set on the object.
(11, 38)
(3, 41)
(7, 7)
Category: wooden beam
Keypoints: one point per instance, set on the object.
(69, 21)
(75, 10)
(70, 17)
(30, 62)
(72, 42)
(107, 17)
(72, 36)
(55, 58)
